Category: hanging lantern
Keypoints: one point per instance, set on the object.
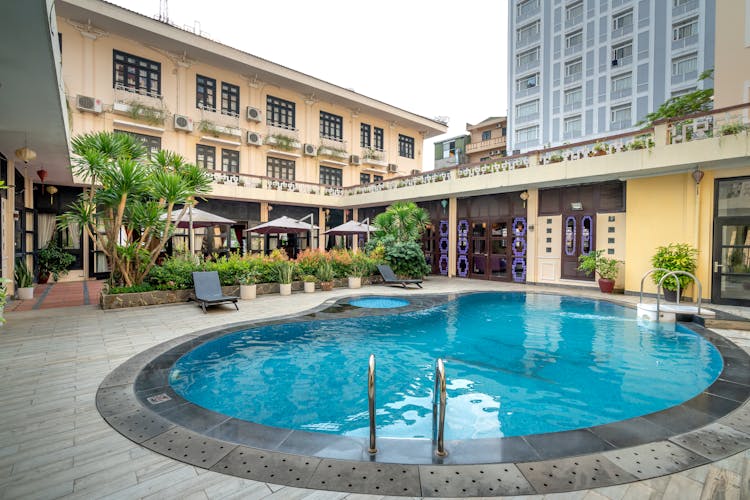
(25, 154)
(51, 190)
(42, 174)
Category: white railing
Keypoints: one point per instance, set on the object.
(218, 118)
(124, 94)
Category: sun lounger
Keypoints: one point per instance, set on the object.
(208, 290)
(390, 278)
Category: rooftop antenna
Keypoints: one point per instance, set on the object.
(164, 11)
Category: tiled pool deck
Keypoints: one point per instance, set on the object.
(54, 443)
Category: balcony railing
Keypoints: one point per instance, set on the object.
(703, 126)
(521, 68)
(621, 93)
(220, 119)
(530, 117)
(292, 133)
(574, 49)
(527, 92)
(690, 76)
(573, 21)
(125, 94)
(621, 32)
(494, 143)
(373, 156)
(527, 39)
(684, 8)
(575, 77)
(688, 41)
(527, 11)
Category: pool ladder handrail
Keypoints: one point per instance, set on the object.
(673, 274)
(439, 401)
(371, 403)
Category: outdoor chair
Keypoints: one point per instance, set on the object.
(208, 290)
(390, 278)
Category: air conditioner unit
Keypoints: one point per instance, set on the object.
(415, 171)
(182, 122)
(254, 138)
(253, 114)
(86, 103)
(392, 167)
(614, 62)
(355, 160)
(310, 150)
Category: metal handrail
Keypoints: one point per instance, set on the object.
(672, 274)
(371, 400)
(438, 411)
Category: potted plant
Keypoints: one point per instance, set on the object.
(556, 158)
(357, 270)
(248, 286)
(53, 261)
(286, 274)
(308, 281)
(731, 128)
(3, 298)
(674, 257)
(24, 281)
(600, 148)
(605, 267)
(325, 275)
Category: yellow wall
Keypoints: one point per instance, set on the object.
(732, 66)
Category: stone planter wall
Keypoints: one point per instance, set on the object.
(159, 297)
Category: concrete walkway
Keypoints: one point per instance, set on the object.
(54, 443)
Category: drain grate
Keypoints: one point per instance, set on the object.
(738, 419)
(655, 459)
(139, 425)
(189, 447)
(473, 480)
(116, 400)
(270, 467)
(576, 473)
(714, 441)
(366, 477)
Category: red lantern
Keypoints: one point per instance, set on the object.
(42, 174)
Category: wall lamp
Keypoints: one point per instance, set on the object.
(524, 196)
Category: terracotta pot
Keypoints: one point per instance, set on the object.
(326, 286)
(43, 278)
(606, 286)
(600, 153)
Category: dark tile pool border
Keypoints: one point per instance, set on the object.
(137, 401)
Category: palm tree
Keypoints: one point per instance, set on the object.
(403, 220)
(131, 194)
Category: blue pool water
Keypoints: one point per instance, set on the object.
(516, 364)
(379, 302)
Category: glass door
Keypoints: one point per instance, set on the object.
(578, 239)
(478, 249)
(499, 251)
(730, 277)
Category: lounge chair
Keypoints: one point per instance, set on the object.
(390, 278)
(208, 290)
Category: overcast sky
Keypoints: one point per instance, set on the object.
(430, 57)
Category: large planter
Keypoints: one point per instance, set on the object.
(355, 282)
(285, 288)
(309, 286)
(671, 295)
(248, 292)
(326, 286)
(25, 293)
(606, 285)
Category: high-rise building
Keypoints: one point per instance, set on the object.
(588, 68)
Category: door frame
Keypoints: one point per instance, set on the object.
(717, 244)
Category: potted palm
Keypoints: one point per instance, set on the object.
(308, 281)
(24, 281)
(605, 267)
(52, 260)
(357, 270)
(248, 285)
(286, 274)
(325, 275)
(674, 257)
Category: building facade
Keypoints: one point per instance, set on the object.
(451, 152)
(488, 139)
(590, 68)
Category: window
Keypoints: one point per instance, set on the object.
(378, 136)
(678, 3)
(280, 113)
(681, 92)
(685, 29)
(364, 178)
(487, 135)
(527, 82)
(330, 176)
(449, 149)
(573, 97)
(620, 116)
(572, 126)
(621, 83)
(526, 6)
(684, 65)
(205, 157)
(527, 109)
(377, 178)
(574, 39)
(405, 146)
(528, 32)
(230, 160)
(528, 57)
(574, 11)
(622, 51)
(136, 74)
(205, 93)
(230, 99)
(574, 68)
(622, 21)
(526, 135)
(152, 144)
(278, 168)
(364, 135)
(331, 126)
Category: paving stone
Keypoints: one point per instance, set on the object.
(366, 477)
(567, 474)
(714, 441)
(655, 459)
(473, 480)
(259, 465)
(189, 447)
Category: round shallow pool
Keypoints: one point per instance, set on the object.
(516, 364)
(379, 302)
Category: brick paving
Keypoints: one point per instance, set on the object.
(53, 295)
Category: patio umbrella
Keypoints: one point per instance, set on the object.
(283, 224)
(199, 218)
(352, 227)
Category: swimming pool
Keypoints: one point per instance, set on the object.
(516, 364)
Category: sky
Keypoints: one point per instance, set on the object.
(430, 57)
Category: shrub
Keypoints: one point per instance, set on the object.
(405, 257)
(325, 271)
(175, 273)
(341, 261)
(309, 259)
(674, 257)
